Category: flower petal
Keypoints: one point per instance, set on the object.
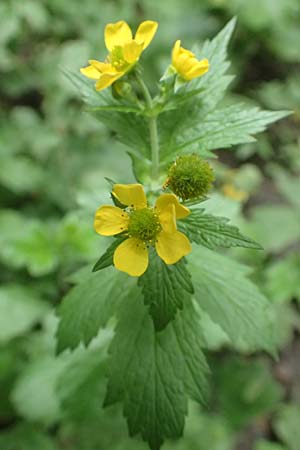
(118, 33)
(145, 32)
(171, 247)
(166, 199)
(132, 51)
(101, 66)
(110, 220)
(167, 219)
(90, 72)
(107, 79)
(176, 51)
(130, 195)
(131, 256)
(198, 69)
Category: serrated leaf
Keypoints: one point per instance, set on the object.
(232, 300)
(131, 129)
(153, 373)
(88, 307)
(225, 127)
(106, 259)
(166, 288)
(213, 231)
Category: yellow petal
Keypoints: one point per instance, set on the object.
(110, 220)
(166, 199)
(131, 257)
(167, 219)
(176, 51)
(198, 69)
(132, 51)
(180, 53)
(107, 79)
(171, 247)
(101, 66)
(90, 72)
(145, 32)
(130, 195)
(118, 33)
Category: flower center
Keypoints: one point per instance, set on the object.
(116, 58)
(144, 225)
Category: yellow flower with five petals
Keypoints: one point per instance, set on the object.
(124, 52)
(143, 225)
(186, 64)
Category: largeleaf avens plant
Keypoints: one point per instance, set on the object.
(151, 279)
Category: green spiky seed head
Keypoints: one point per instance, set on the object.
(144, 225)
(190, 177)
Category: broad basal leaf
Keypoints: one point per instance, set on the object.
(232, 300)
(89, 306)
(166, 288)
(212, 231)
(154, 373)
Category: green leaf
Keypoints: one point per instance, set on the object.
(153, 373)
(88, 307)
(282, 279)
(106, 259)
(231, 300)
(131, 129)
(215, 82)
(212, 231)
(258, 392)
(287, 425)
(225, 127)
(268, 221)
(34, 395)
(209, 89)
(20, 309)
(166, 288)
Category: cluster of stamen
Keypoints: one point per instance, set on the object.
(144, 225)
(116, 58)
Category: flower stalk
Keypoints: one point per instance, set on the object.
(152, 124)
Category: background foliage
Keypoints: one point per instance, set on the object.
(53, 160)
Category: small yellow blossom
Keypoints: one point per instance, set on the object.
(186, 64)
(124, 52)
(230, 191)
(143, 225)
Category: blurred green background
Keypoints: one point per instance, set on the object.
(53, 159)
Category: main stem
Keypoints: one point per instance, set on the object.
(152, 123)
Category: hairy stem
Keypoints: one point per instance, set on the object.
(152, 123)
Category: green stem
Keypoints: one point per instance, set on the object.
(152, 123)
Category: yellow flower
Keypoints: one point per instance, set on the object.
(124, 52)
(230, 191)
(143, 226)
(186, 64)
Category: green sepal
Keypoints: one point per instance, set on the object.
(166, 288)
(106, 259)
(213, 231)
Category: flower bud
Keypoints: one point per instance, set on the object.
(121, 89)
(190, 177)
